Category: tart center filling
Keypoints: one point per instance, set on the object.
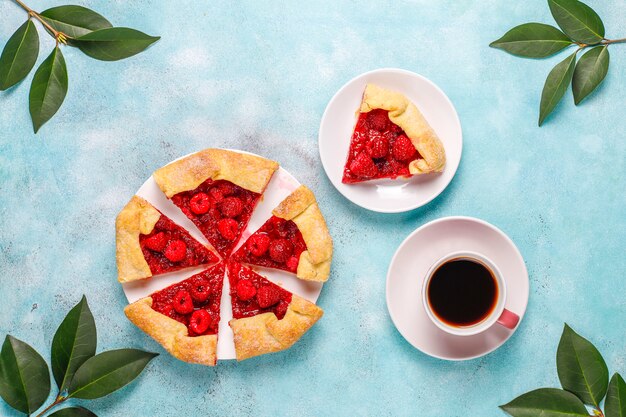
(277, 244)
(379, 149)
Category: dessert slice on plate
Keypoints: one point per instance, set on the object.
(391, 139)
(266, 317)
(184, 317)
(149, 243)
(294, 239)
(218, 190)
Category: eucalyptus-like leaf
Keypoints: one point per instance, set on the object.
(581, 368)
(556, 84)
(108, 372)
(24, 376)
(74, 342)
(73, 412)
(579, 21)
(546, 402)
(19, 55)
(74, 21)
(532, 40)
(113, 44)
(590, 72)
(615, 403)
(48, 89)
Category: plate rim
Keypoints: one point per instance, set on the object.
(456, 120)
(482, 222)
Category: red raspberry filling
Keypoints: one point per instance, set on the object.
(228, 228)
(182, 302)
(231, 207)
(280, 250)
(245, 290)
(267, 296)
(378, 149)
(175, 250)
(156, 242)
(200, 290)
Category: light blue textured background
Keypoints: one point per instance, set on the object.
(257, 76)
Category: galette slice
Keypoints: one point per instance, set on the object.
(218, 190)
(294, 239)
(391, 139)
(149, 243)
(184, 317)
(266, 317)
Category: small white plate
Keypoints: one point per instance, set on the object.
(410, 264)
(281, 185)
(389, 196)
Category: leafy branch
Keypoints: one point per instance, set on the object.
(73, 26)
(584, 377)
(582, 28)
(78, 371)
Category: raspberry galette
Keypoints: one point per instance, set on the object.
(391, 139)
(149, 243)
(184, 317)
(294, 239)
(218, 190)
(266, 317)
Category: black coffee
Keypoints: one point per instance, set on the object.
(462, 292)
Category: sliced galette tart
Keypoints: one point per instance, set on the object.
(266, 317)
(149, 243)
(218, 190)
(294, 239)
(391, 139)
(184, 317)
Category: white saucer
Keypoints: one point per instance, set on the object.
(389, 196)
(410, 264)
(281, 185)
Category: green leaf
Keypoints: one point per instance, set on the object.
(74, 342)
(74, 21)
(532, 40)
(615, 403)
(73, 412)
(24, 376)
(19, 55)
(556, 84)
(581, 368)
(546, 402)
(108, 372)
(590, 72)
(113, 44)
(579, 21)
(48, 89)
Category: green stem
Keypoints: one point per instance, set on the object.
(58, 36)
(58, 400)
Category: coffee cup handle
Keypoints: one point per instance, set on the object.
(508, 319)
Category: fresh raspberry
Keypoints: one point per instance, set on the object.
(199, 321)
(281, 309)
(378, 120)
(267, 296)
(245, 290)
(228, 228)
(176, 250)
(258, 244)
(378, 146)
(280, 250)
(182, 302)
(200, 290)
(168, 311)
(231, 207)
(363, 166)
(156, 242)
(215, 214)
(292, 263)
(200, 203)
(403, 149)
(227, 189)
(216, 194)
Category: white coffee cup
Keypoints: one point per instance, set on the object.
(498, 315)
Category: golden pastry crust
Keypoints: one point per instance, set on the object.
(301, 207)
(405, 114)
(172, 335)
(137, 217)
(247, 171)
(264, 333)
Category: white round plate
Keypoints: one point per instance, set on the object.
(410, 264)
(281, 185)
(389, 196)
